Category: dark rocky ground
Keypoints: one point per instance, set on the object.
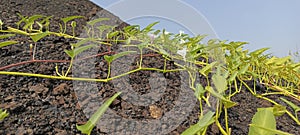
(48, 106)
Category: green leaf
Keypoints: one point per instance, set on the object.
(7, 36)
(281, 61)
(88, 127)
(204, 122)
(67, 19)
(45, 20)
(233, 76)
(271, 60)
(102, 28)
(272, 131)
(70, 53)
(112, 34)
(30, 21)
(263, 118)
(149, 27)
(34, 17)
(220, 82)
(199, 90)
(258, 52)
(110, 59)
(295, 107)
(38, 36)
(277, 110)
(81, 42)
(205, 70)
(93, 22)
(77, 50)
(244, 69)
(156, 32)
(132, 29)
(6, 43)
(23, 19)
(80, 49)
(163, 52)
(142, 45)
(227, 103)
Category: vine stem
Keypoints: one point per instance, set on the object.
(52, 77)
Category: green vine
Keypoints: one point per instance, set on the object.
(279, 75)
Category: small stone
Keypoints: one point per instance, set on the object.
(215, 129)
(155, 111)
(61, 89)
(9, 98)
(39, 88)
(61, 100)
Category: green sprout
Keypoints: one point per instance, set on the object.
(3, 114)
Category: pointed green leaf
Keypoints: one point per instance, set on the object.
(149, 27)
(67, 19)
(38, 36)
(163, 52)
(102, 28)
(108, 58)
(81, 42)
(70, 53)
(34, 17)
(227, 103)
(233, 76)
(199, 90)
(23, 19)
(46, 19)
(112, 34)
(88, 127)
(271, 60)
(80, 49)
(7, 36)
(6, 43)
(258, 52)
(244, 69)
(142, 45)
(205, 70)
(118, 55)
(30, 21)
(283, 60)
(204, 122)
(156, 32)
(93, 22)
(295, 107)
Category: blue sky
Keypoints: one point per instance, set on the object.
(262, 23)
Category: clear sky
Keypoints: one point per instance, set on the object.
(262, 23)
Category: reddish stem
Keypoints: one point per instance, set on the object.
(63, 61)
